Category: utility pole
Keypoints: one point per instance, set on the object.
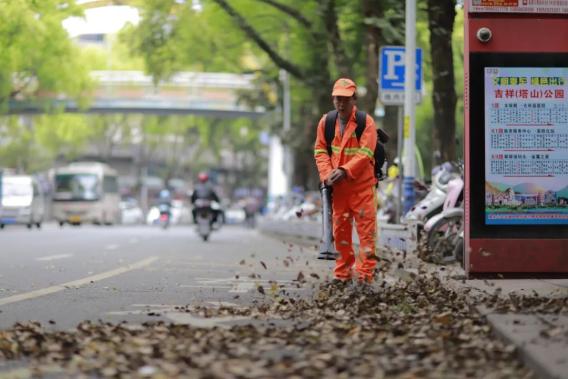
(279, 165)
(409, 162)
(286, 108)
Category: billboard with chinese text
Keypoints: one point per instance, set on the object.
(526, 145)
(519, 6)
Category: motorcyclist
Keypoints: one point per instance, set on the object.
(165, 203)
(250, 207)
(165, 199)
(204, 190)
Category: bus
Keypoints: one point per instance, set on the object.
(86, 192)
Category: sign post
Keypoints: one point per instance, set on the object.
(409, 161)
(1, 173)
(516, 137)
(392, 68)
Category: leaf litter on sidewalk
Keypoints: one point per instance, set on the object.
(413, 328)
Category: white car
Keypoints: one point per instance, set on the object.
(181, 214)
(21, 201)
(235, 216)
(130, 212)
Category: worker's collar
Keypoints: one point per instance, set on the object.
(352, 115)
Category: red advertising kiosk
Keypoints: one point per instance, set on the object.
(516, 137)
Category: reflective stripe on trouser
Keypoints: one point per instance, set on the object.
(360, 206)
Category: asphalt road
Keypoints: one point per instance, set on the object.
(61, 276)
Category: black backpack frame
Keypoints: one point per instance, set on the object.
(361, 119)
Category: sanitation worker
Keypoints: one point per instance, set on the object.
(347, 166)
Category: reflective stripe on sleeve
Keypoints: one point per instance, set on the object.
(368, 152)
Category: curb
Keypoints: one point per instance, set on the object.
(546, 356)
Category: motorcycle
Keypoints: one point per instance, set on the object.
(444, 231)
(165, 215)
(433, 202)
(203, 218)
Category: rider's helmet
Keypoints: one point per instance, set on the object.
(203, 177)
(165, 194)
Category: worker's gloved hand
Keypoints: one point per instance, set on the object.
(335, 176)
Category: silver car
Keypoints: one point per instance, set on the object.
(21, 201)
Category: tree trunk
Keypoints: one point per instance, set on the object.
(390, 125)
(306, 174)
(371, 9)
(304, 163)
(441, 15)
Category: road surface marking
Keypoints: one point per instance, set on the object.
(111, 247)
(167, 306)
(54, 257)
(77, 283)
(200, 322)
(242, 279)
(203, 286)
(242, 287)
(128, 313)
(224, 304)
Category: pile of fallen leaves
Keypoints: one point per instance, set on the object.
(411, 328)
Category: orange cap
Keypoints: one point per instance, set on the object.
(344, 87)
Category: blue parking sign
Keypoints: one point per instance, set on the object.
(391, 74)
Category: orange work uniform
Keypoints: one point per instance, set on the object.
(354, 196)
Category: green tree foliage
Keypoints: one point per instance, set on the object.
(315, 41)
(36, 55)
(179, 146)
(31, 144)
(114, 55)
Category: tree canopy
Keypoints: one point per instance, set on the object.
(316, 41)
(37, 55)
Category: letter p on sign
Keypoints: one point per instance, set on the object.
(391, 75)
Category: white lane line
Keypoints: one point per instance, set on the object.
(224, 304)
(79, 282)
(54, 257)
(242, 287)
(111, 247)
(199, 322)
(126, 313)
(203, 286)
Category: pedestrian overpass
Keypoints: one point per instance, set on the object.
(197, 93)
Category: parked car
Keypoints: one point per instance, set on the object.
(21, 201)
(181, 214)
(235, 215)
(130, 212)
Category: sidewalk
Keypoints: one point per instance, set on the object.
(531, 314)
(540, 336)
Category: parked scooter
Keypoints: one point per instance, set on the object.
(433, 203)
(444, 231)
(203, 218)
